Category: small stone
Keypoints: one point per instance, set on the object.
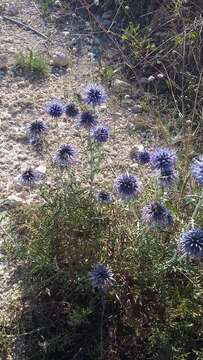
(13, 201)
(137, 109)
(127, 102)
(3, 62)
(60, 59)
(41, 169)
(120, 85)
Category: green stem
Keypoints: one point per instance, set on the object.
(91, 162)
(195, 212)
(6, 233)
(101, 328)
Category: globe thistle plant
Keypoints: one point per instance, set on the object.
(65, 155)
(100, 134)
(191, 242)
(30, 177)
(156, 215)
(95, 95)
(55, 108)
(71, 110)
(143, 157)
(36, 130)
(127, 186)
(87, 120)
(167, 177)
(101, 277)
(163, 157)
(197, 170)
(104, 197)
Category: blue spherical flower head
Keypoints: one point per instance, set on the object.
(87, 120)
(55, 108)
(191, 242)
(30, 177)
(197, 170)
(127, 186)
(101, 277)
(95, 95)
(167, 177)
(163, 157)
(71, 110)
(143, 157)
(104, 197)
(100, 134)
(157, 215)
(36, 130)
(65, 155)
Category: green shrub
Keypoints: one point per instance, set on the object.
(33, 62)
(154, 310)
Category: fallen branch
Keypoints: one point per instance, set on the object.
(25, 26)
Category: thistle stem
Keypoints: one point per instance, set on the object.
(195, 212)
(101, 327)
(91, 163)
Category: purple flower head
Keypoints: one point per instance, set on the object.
(87, 120)
(30, 177)
(101, 277)
(71, 110)
(197, 170)
(191, 242)
(157, 215)
(163, 157)
(143, 157)
(167, 177)
(100, 134)
(65, 155)
(103, 197)
(36, 130)
(127, 186)
(95, 95)
(55, 108)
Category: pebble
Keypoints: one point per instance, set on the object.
(60, 59)
(120, 85)
(137, 109)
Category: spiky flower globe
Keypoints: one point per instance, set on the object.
(101, 277)
(95, 95)
(65, 155)
(30, 177)
(104, 197)
(143, 157)
(163, 157)
(127, 186)
(191, 242)
(100, 134)
(55, 108)
(36, 130)
(71, 110)
(157, 215)
(197, 170)
(167, 177)
(87, 120)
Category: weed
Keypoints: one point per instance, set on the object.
(33, 62)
